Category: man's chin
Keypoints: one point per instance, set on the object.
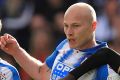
(72, 46)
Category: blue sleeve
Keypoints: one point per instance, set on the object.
(50, 60)
(14, 71)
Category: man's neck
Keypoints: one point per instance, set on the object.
(88, 44)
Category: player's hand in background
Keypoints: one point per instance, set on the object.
(9, 44)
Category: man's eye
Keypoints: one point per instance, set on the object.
(76, 25)
(65, 26)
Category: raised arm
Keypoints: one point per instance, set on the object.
(32, 66)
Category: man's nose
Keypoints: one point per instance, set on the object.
(69, 31)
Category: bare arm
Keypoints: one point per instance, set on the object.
(32, 66)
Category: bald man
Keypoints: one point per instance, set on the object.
(79, 27)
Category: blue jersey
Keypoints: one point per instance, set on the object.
(64, 59)
(8, 72)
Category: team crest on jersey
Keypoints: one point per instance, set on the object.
(60, 71)
(5, 73)
(3, 76)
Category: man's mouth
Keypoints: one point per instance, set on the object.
(71, 41)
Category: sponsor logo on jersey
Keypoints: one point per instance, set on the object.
(61, 70)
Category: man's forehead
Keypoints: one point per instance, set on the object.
(71, 22)
(74, 18)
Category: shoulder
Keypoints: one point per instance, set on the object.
(63, 45)
(8, 71)
(4, 63)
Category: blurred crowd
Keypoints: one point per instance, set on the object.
(38, 25)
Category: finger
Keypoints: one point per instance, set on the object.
(11, 41)
(9, 36)
(6, 36)
(3, 41)
(3, 47)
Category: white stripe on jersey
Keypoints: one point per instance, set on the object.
(5, 71)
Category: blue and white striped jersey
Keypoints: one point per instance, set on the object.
(64, 59)
(8, 72)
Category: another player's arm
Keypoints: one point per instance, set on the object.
(102, 57)
(36, 69)
(32, 66)
(28, 63)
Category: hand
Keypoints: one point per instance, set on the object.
(9, 44)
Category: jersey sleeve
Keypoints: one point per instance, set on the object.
(50, 60)
(8, 72)
(16, 75)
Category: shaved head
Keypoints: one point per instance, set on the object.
(82, 9)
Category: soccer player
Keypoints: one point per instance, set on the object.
(79, 27)
(101, 57)
(7, 71)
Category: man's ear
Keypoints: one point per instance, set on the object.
(94, 24)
